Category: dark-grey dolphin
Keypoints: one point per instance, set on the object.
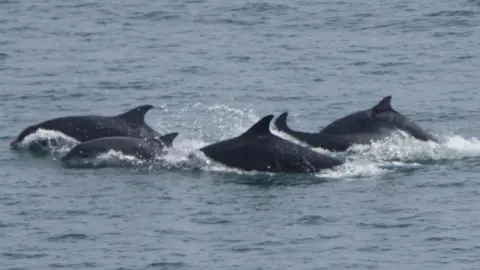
(325, 141)
(360, 127)
(90, 127)
(137, 147)
(258, 149)
(381, 118)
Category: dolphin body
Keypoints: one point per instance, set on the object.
(258, 149)
(90, 127)
(360, 127)
(325, 141)
(139, 148)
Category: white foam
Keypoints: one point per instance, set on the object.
(353, 169)
(56, 140)
(184, 154)
(403, 148)
(46, 134)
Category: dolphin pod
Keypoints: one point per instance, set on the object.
(256, 149)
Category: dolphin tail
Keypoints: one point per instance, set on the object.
(281, 122)
(167, 139)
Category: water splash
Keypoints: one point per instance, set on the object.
(44, 141)
(353, 169)
(217, 121)
(404, 148)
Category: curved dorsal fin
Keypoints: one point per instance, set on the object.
(383, 105)
(261, 127)
(136, 115)
(281, 122)
(166, 139)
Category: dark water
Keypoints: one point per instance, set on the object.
(213, 68)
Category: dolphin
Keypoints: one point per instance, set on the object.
(325, 141)
(90, 127)
(137, 147)
(360, 127)
(257, 149)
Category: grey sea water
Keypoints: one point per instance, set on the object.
(212, 68)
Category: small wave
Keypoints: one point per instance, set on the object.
(69, 237)
(154, 16)
(196, 70)
(75, 6)
(374, 248)
(74, 265)
(441, 34)
(360, 63)
(313, 220)
(452, 13)
(246, 249)
(239, 58)
(166, 265)
(444, 238)
(210, 220)
(6, 225)
(22, 256)
(252, 8)
(269, 243)
(450, 184)
(8, 2)
(75, 212)
(385, 225)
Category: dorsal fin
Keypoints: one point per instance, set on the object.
(136, 115)
(383, 105)
(281, 122)
(166, 139)
(261, 127)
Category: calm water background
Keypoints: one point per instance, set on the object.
(213, 68)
